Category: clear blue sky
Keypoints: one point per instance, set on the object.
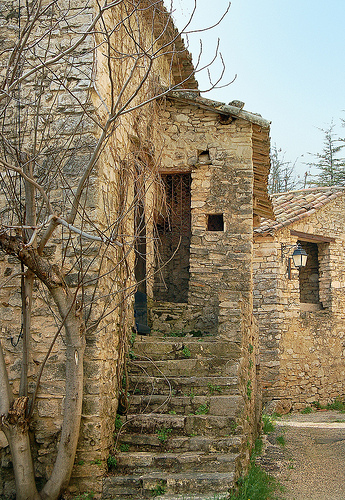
(289, 59)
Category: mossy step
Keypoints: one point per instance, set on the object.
(192, 482)
(141, 462)
(185, 367)
(170, 334)
(185, 348)
(178, 386)
(122, 487)
(185, 405)
(200, 425)
(150, 442)
(209, 496)
(138, 487)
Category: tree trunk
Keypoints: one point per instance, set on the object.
(75, 346)
(15, 426)
(26, 289)
(19, 442)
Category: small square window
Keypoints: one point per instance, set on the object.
(215, 222)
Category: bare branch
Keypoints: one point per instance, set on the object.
(21, 172)
(62, 55)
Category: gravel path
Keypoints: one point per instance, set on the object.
(311, 463)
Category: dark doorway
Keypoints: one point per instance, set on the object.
(173, 236)
(140, 298)
(309, 275)
(140, 246)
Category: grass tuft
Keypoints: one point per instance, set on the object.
(267, 424)
(111, 462)
(306, 410)
(163, 434)
(337, 405)
(281, 440)
(257, 484)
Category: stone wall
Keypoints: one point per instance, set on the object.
(219, 158)
(55, 126)
(301, 342)
(69, 105)
(174, 138)
(218, 154)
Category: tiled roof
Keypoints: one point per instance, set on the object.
(293, 206)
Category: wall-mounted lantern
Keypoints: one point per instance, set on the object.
(299, 256)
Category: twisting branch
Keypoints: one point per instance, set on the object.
(30, 180)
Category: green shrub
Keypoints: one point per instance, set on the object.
(163, 434)
(306, 410)
(196, 333)
(249, 389)
(111, 462)
(186, 352)
(85, 496)
(281, 440)
(158, 490)
(256, 485)
(267, 424)
(317, 405)
(118, 422)
(258, 447)
(214, 388)
(202, 410)
(337, 405)
(98, 461)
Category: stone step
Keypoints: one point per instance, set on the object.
(210, 496)
(122, 487)
(190, 482)
(168, 334)
(185, 405)
(186, 348)
(149, 442)
(183, 425)
(142, 462)
(209, 385)
(185, 367)
(138, 487)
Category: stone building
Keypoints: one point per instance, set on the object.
(182, 182)
(198, 279)
(301, 312)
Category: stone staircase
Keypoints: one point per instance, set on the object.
(180, 438)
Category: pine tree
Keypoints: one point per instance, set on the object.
(330, 164)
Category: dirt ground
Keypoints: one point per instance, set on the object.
(306, 453)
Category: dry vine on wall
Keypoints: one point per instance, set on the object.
(74, 78)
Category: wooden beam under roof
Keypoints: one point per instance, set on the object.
(311, 238)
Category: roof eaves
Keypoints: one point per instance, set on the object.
(194, 99)
(312, 209)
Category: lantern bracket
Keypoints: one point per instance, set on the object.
(299, 256)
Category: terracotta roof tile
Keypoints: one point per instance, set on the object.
(292, 206)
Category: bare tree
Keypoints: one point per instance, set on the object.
(78, 90)
(282, 177)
